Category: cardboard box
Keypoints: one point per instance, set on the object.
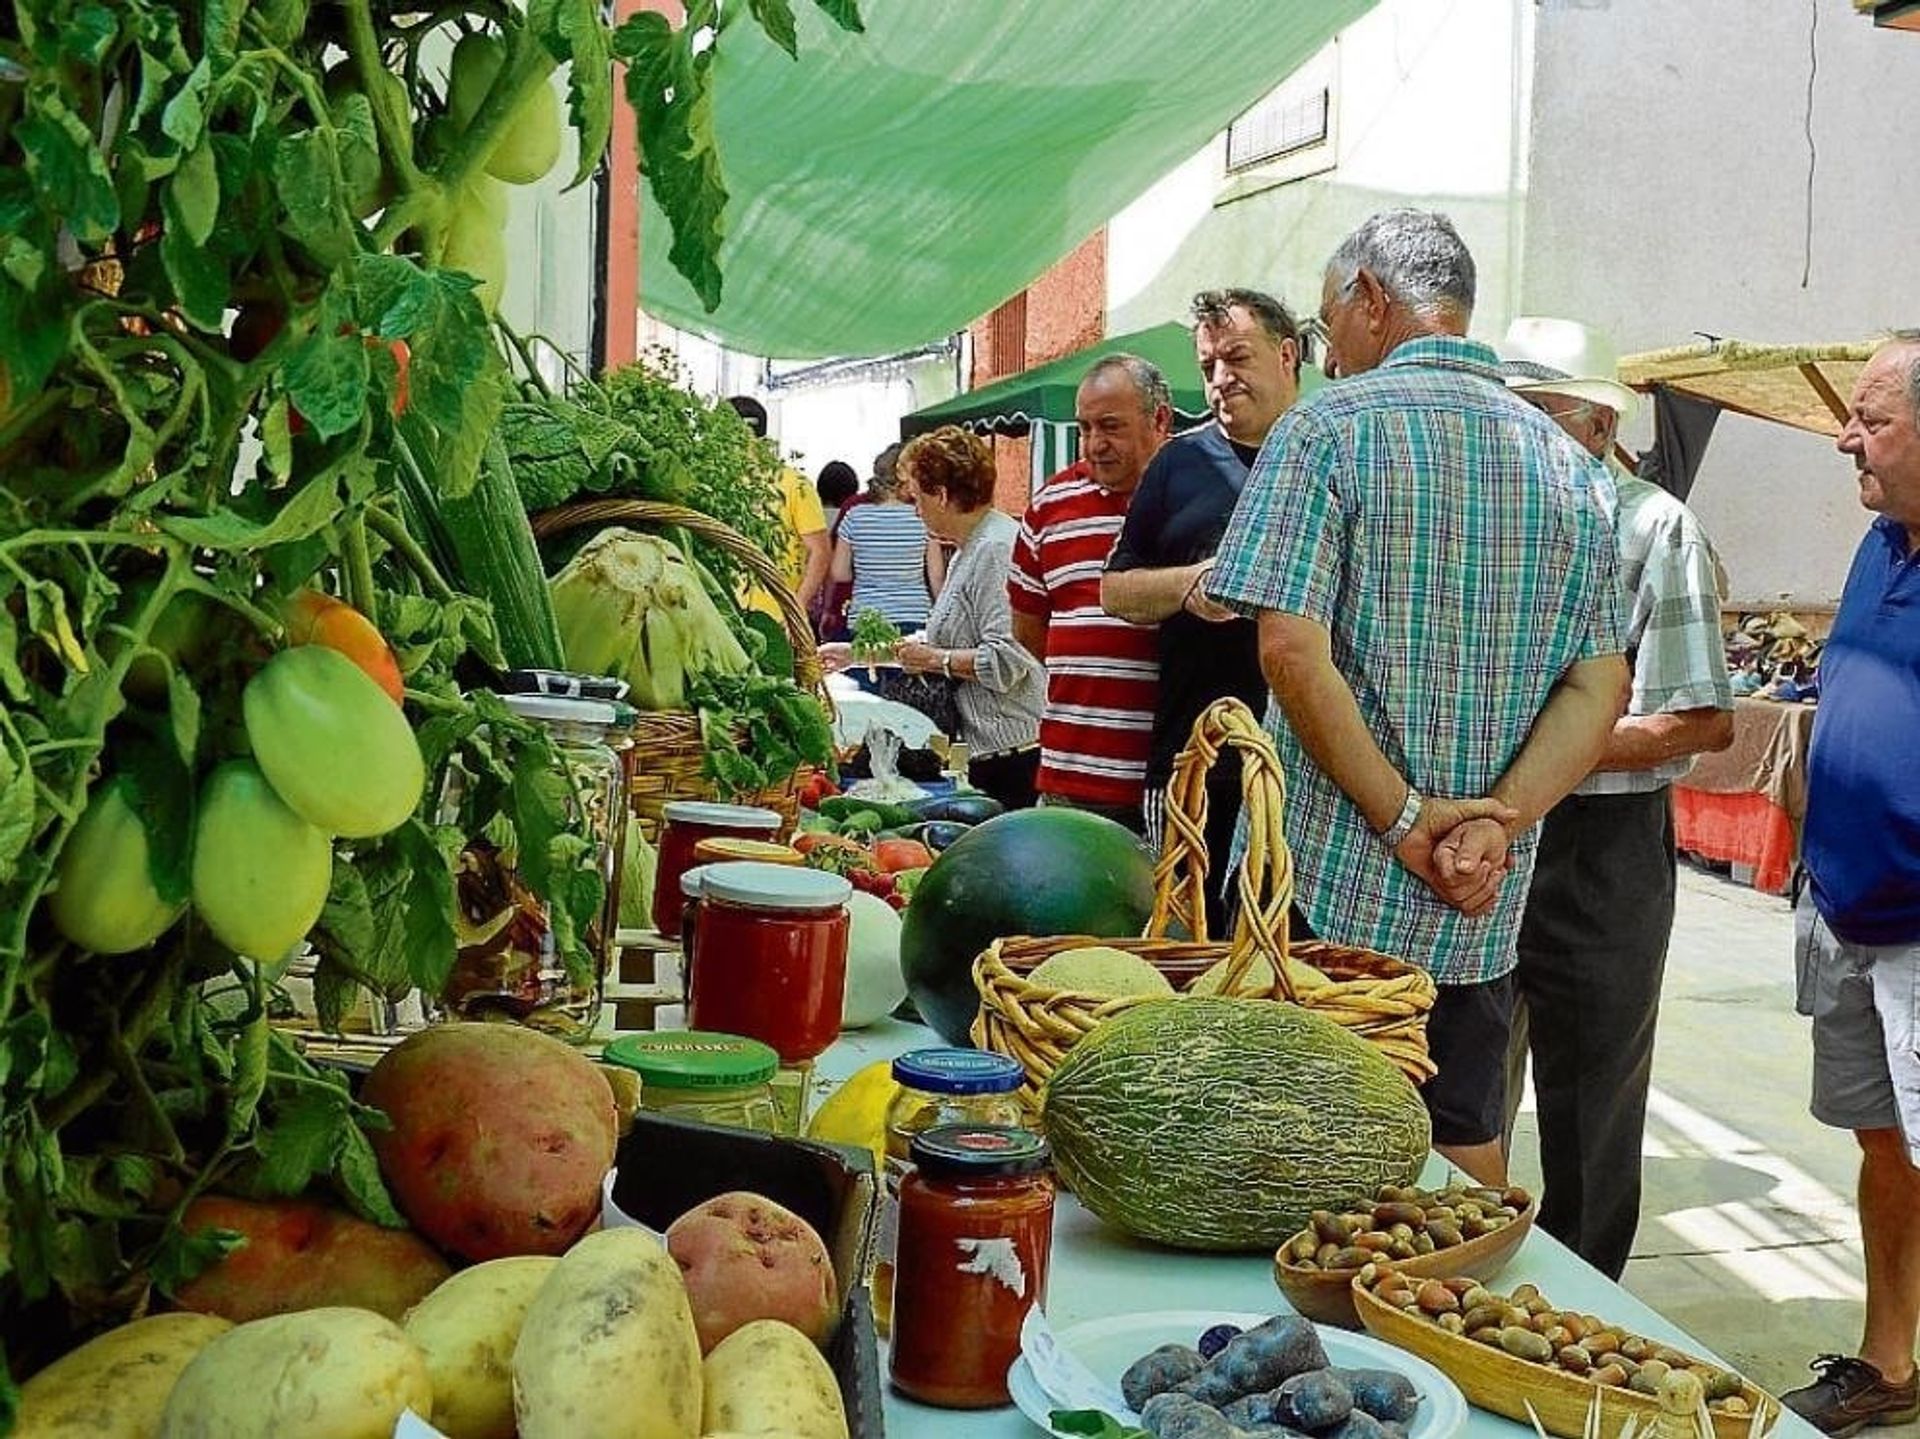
(666, 1166)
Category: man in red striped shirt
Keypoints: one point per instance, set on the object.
(1102, 672)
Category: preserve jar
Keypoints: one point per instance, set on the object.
(770, 946)
(684, 823)
(937, 1087)
(976, 1230)
(696, 1074)
(507, 963)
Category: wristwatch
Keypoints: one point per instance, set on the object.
(1395, 834)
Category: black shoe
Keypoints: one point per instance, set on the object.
(1850, 1394)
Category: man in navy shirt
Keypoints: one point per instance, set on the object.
(1857, 948)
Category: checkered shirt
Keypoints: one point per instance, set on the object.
(1448, 537)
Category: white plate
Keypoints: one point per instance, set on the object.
(1108, 1346)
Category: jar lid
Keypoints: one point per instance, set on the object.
(693, 881)
(565, 682)
(563, 709)
(979, 1151)
(727, 848)
(735, 816)
(958, 1071)
(694, 1059)
(776, 886)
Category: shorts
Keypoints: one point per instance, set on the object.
(1467, 1035)
(1864, 1000)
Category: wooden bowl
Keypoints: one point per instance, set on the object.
(1326, 1295)
(1496, 1381)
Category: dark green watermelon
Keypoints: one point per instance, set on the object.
(1034, 871)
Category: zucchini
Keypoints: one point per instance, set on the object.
(966, 808)
(840, 807)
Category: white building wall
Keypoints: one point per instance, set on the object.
(1670, 195)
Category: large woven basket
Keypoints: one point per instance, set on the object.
(1381, 999)
(665, 763)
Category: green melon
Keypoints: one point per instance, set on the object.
(1223, 1124)
(1035, 871)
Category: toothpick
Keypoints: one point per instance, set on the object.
(1538, 1427)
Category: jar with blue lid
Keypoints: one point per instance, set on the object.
(937, 1087)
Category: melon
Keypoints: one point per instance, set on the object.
(1035, 871)
(1224, 1123)
(1100, 969)
(1259, 976)
(874, 985)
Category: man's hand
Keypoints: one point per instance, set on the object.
(1458, 848)
(1199, 606)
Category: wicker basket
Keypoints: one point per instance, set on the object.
(1382, 1000)
(666, 762)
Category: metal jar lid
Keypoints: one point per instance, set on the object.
(979, 1151)
(694, 1059)
(730, 816)
(776, 886)
(958, 1071)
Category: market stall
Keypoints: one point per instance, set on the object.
(1743, 806)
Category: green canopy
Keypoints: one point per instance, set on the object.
(890, 187)
(1046, 392)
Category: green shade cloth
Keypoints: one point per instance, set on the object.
(889, 188)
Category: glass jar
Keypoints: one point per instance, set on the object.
(684, 823)
(976, 1232)
(696, 1074)
(771, 956)
(506, 961)
(937, 1087)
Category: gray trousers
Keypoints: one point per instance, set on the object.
(1593, 950)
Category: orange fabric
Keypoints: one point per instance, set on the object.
(1744, 829)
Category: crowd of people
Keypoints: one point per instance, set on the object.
(1485, 649)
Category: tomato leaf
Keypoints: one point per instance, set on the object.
(184, 119)
(18, 797)
(181, 1256)
(572, 32)
(305, 1139)
(312, 508)
(196, 192)
(199, 278)
(669, 88)
(307, 176)
(68, 169)
(357, 1176)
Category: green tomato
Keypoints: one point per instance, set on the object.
(106, 900)
(530, 144)
(332, 743)
(260, 872)
(476, 241)
(370, 186)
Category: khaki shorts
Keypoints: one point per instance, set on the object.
(1864, 1001)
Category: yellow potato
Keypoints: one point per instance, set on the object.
(608, 1349)
(467, 1328)
(767, 1378)
(316, 1374)
(114, 1386)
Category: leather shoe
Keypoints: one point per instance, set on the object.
(1850, 1394)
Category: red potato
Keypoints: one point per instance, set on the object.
(299, 1255)
(500, 1138)
(744, 1258)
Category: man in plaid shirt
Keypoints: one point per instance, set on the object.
(1593, 946)
(1441, 623)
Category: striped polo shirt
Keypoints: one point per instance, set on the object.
(1101, 672)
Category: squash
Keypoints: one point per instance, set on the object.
(1223, 1123)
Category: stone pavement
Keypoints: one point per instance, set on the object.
(1748, 1237)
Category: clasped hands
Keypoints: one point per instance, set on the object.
(1460, 849)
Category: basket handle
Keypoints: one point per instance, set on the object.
(1265, 880)
(808, 672)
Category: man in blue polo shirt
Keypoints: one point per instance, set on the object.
(1857, 941)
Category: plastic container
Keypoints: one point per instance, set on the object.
(684, 823)
(976, 1235)
(702, 1076)
(770, 957)
(937, 1087)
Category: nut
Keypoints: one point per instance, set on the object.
(1435, 1298)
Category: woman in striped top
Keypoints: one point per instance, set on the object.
(1000, 687)
(884, 550)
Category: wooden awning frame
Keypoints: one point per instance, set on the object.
(1803, 386)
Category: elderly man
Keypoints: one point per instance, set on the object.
(1858, 921)
(1248, 349)
(1593, 945)
(1101, 672)
(1440, 621)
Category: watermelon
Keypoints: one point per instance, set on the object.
(1034, 871)
(1224, 1123)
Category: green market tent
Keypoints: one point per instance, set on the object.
(1009, 406)
(890, 187)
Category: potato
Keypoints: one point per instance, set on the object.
(744, 1258)
(306, 1256)
(114, 1386)
(767, 1377)
(608, 1349)
(467, 1329)
(321, 1374)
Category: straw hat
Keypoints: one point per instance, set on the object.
(1564, 357)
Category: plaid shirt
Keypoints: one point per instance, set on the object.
(1447, 536)
(1673, 625)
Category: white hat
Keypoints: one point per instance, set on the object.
(1564, 357)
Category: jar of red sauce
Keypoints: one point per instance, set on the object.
(684, 823)
(976, 1230)
(771, 956)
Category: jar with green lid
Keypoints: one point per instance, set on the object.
(937, 1087)
(702, 1075)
